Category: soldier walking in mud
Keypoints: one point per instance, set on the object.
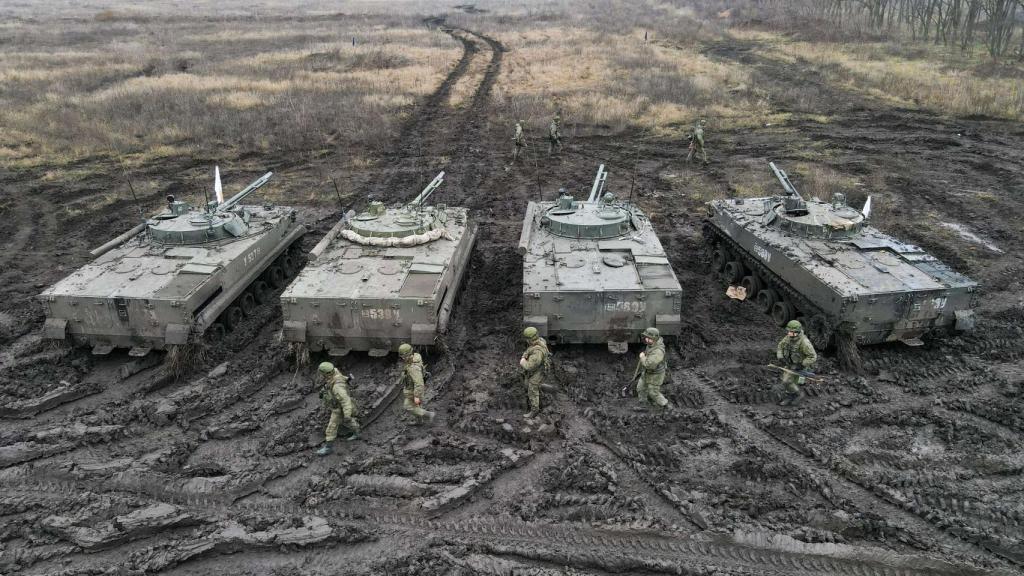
(519, 140)
(652, 369)
(796, 353)
(534, 362)
(413, 387)
(334, 395)
(697, 142)
(555, 134)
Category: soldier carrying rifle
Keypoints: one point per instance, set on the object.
(797, 355)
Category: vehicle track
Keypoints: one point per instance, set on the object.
(564, 542)
(423, 128)
(840, 482)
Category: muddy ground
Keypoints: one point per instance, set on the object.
(914, 467)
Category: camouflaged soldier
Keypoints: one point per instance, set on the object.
(519, 140)
(535, 360)
(413, 388)
(652, 369)
(555, 134)
(334, 395)
(796, 353)
(697, 142)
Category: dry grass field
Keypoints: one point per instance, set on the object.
(109, 464)
(149, 89)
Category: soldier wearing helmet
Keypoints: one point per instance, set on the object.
(519, 140)
(697, 142)
(413, 370)
(334, 395)
(534, 361)
(555, 133)
(796, 353)
(653, 369)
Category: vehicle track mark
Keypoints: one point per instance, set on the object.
(565, 542)
(841, 482)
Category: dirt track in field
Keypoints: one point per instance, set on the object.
(911, 468)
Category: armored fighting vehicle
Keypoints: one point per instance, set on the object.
(594, 271)
(822, 261)
(381, 278)
(170, 279)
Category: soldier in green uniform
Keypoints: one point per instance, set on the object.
(334, 394)
(652, 370)
(697, 142)
(554, 134)
(534, 361)
(519, 140)
(796, 353)
(412, 383)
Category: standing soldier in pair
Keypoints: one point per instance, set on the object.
(652, 369)
(796, 353)
(697, 142)
(534, 361)
(413, 388)
(334, 395)
(554, 134)
(519, 140)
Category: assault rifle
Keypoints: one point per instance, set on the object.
(807, 374)
(627, 388)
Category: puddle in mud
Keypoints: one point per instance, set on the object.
(971, 236)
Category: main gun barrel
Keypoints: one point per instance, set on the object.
(230, 202)
(784, 180)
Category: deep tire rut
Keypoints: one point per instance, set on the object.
(839, 484)
(566, 542)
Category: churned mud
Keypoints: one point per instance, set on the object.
(111, 465)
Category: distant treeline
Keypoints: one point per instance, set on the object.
(998, 25)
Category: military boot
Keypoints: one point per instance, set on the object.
(428, 416)
(788, 399)
(352, 436)
(327, 448)
(797, 397)
(532, 413)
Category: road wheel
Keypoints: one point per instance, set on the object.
(752, 284)
(232, 317)
(767, 298)
(734, 271)
(275, 276)
(247, 303)
(216, 331)
(287, 264)
(260, 292)
(720, 258)
(783, 312)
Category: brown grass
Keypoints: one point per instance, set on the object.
(926, 76)
(187, 86)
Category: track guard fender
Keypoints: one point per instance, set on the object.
(176, 334)
(55, 329)
(294, 331)
(964, 320)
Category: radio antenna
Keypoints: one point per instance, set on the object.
(636, 161)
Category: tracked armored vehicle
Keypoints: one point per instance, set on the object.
(381, 278)
(176, 276)
(823, 262)
(594, 271)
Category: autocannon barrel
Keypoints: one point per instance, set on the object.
(434, 184)
(598, 187)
